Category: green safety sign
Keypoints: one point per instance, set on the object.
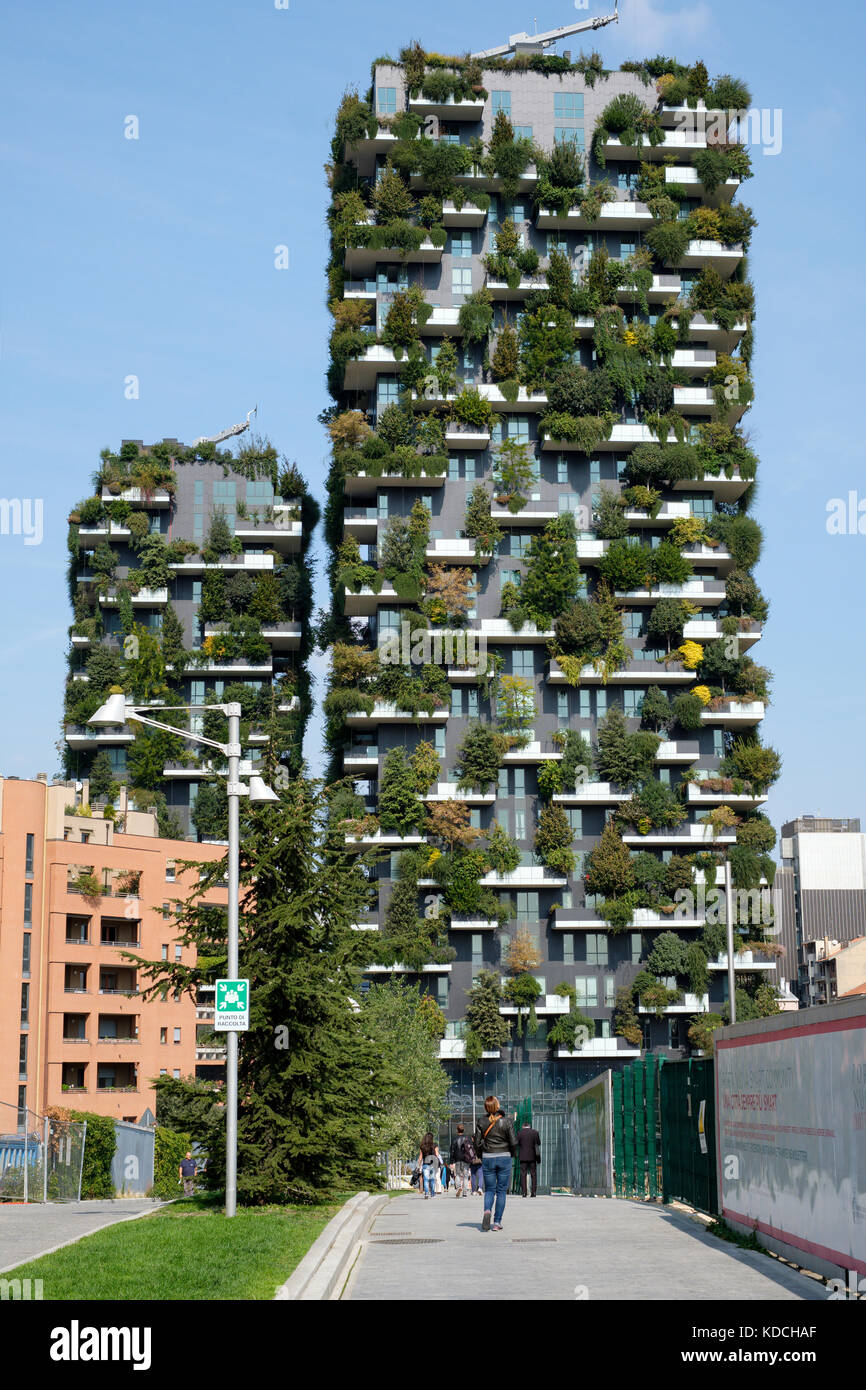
(232, 1011)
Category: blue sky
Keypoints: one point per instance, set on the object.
(155, 257)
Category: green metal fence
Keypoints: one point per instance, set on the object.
(688, 1126)
(636, 1126)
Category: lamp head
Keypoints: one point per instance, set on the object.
(114, 711)
(259, 791)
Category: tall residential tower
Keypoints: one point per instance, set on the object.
(540, 361)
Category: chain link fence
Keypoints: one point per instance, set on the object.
(42, 1159)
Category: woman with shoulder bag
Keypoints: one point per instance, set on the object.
(496, 1141)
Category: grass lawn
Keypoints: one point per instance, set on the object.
(186, 1251)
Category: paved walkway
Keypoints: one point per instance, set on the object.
(29, 1231)
(559, 1248)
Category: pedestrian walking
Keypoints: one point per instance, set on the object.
(496, 1141)
(529, 1153)
(445, 1174)
(459, 1164)
(186, 1174)
(430, 1160)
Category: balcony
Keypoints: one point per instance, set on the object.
(525, 400)
(385, 713)
(545, 1004)
(668, 513)
(364, 484)
(366, 601)
(700, 254)
(448, 110)
(468, 216)
(283, 532)
(592, 794)
(636, 670)
(724, 489)
(710, 629)
(449, 791)
(472, 924)
(384, 839)
(362, 289)
(704, 592)
(622, 215)
(532, 876)
(361, 372)
(736, 714)
(458, 550)
(690, 837)
(697, 796)
(500, 630)
(230, 564)
(527, 516)
(462, 436)
(454, 1049)
(601, 1047)
(362, 259)
(533, 752)
(689, 1004)
(680, 751)
(87, 736)
(687, 175)
(445, 319)
(695, 360)
(106, 530)
(744, 961)
(235, 666)
(362, 523)
(674, 141)
(145, 598)
(398, 969)
(500, 289)
(137, 497)
(363, 152)
(361, 759)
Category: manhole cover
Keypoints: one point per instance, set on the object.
(382, 1234)
(534, 1240)
(414, 1240)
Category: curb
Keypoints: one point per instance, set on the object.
(321, 1274)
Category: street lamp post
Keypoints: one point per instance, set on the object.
(118, 710)
(729, 930)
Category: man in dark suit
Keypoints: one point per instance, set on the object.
(529, 1153)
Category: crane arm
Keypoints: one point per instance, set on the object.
(547, 39)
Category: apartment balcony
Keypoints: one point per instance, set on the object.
(745, 961)
(668, 513)
(699, 400)
(183, 772)
(384, 839)
(530, 876)
(283, 532)
(721, 559)
(601, 1047)
(365, 484)
(367, 288)
(550, 1004)
(710, 629)
(689, 1004)
(230, 564)
(525, 401)
(500, 630)
(458, 550)
(736, 714)
(137, 497)
(532, 752)
(454, 1049)
(694, 360)
(87, 736)
(361, 372)
(636, 672)
(646, 918)
(385, 713)
(527, 516)
(678, 751)
(663, 289)
(623, 215)
(444, 321)
(362, 259)
(697, 796)
(449, 791)
(592, 794)
(674, 141)
(282, 636)
(462, 436)
(681, 836)
(723, 488)
(683, 116)
(361, 759)
(362, 523)
(107, 530)
(500, 289)
(707, 331)
(468, 216)
(398, 969)
(363, 152)
(704, 592)
(700, 254)
(472, 924)
(145, 598)
(449, 110)
(687, 175)
(289, 706)
(210, 1053)
(235, 666)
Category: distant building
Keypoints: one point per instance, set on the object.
(834, 970)
(76, 892)
(820, 889)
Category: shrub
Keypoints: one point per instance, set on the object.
(686, 710)
(668, 240)
(609, 871)
(625, 567)
(99, 1146)
(479, 757)
(169, 1147)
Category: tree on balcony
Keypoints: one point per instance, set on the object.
(486, 1029)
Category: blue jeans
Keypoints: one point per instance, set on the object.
(497, 1175)
(429, 1179)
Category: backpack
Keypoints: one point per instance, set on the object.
(467, 1148)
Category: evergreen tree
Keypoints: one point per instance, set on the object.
(309, 1072)
(399, 806)
(552, 576)
(101, 775)
(171, 640)
(405, 1031)
(609, 870)
(486, 1029)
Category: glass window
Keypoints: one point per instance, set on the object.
(635, 944)
(500, 101)
(25, 954)
(442, 983)
(387, 391)
(632, 702)
(632, 622)
(596, 948)
(28, 855)
(587, 991)
(28, 904)
(523, 662)
(568, 947)
(561, 469)
(25, 1003)
(523, 132)
(461, 280)
(386, 101)
(562, 710)
(568, 106)
(477, 949)
(461, 244)
(527, 907)
(569, 134)
(575, 820)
